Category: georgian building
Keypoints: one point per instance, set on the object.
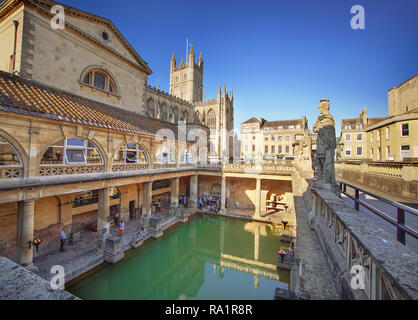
(271, 140)
(391, 138)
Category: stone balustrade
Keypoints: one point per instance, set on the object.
(129, 167)
(11, 172)
(402, 170)
(48, 171)
(265, 169)
(351, 242)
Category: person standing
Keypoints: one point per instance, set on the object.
(121, 228)
(63, 236)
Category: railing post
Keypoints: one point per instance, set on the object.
(344, 187)
(357, 197)
(401, 220)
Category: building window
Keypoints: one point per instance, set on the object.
(280, 150)
(291, 127)
(371, 137)
(273, 149)
(253, 148)
(72, 151)
(387, 153)
(266, 149)
(287, 138)
(378, 135)
(359, 126)
(379, 154)
(280, 138)
(211, 120)
(8, 155)
(371, 153)
(273, 137)
(348, 137)
(130, 153)
(348, 151)
(348, 127)
(266, 138)
(405, 130)
(406, 152)
(387, 133)
(253, 137)
(360, 137)
(254, 128)
(100, 80)
(287, 149)
(359, 151)
(279, 128)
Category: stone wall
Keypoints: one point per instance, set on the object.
(390, 187)
(349, 240)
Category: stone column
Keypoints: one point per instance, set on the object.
(175, 185)
(25, 225)
(193, 190)
(256, 241)
(257, 213)
(147, 198)
(104, 212)
(223, 193)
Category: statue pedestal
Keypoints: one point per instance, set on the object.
(154, 227)
(332, 187)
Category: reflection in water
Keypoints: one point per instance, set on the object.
(208, 258)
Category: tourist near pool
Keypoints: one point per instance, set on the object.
(207, 258)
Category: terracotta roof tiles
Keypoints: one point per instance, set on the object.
(19, 95)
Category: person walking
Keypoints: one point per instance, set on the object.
(200, 203)
(121, 228)
(63, 236)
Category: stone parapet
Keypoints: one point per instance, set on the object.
(349, 241)
(18, 283)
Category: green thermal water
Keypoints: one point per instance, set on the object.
(207, 258)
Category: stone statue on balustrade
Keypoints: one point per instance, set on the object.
(325, 151)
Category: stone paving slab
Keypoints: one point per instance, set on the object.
(18, 283)
(317, 279)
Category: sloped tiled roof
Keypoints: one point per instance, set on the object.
(27, 97)
(373, 121)
(252, 120)
(283, 123)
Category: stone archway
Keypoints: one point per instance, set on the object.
(216, 189)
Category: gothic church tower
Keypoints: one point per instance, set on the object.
(186, 79)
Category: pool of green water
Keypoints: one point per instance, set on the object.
(207, 258)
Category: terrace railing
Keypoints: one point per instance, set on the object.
(399, 222)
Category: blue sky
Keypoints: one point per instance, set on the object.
(279, 57)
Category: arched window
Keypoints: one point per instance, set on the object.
(100, 79)
(164, 112)
(8, 155)
(72, 151)
(176, 115)
(197, 117)
(130, 153)
(211, 120)
(150, 108)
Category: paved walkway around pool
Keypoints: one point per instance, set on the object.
(317, 279)
(83, 255)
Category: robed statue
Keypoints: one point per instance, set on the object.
(326, 144)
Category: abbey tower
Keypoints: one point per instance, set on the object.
(186, 82)
(186, 79)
